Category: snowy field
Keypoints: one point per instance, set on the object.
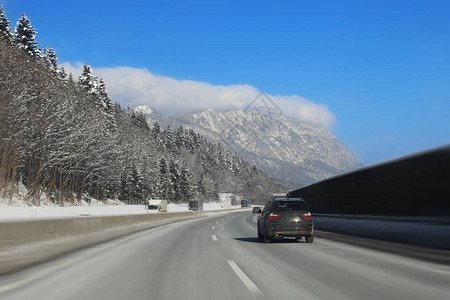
(10, 213)
(17, 209)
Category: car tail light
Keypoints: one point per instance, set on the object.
(273, 216)
(307, 216)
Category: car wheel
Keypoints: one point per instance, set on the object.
(267, 239)
(309, 238)
(260, 236)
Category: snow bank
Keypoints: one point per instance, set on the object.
(47, 212)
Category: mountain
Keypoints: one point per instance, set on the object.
(294, 153)
(152, 116)
(143, 109)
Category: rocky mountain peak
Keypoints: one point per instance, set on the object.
(143, 109)
(292, 152)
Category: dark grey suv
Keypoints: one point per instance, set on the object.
(286, 218)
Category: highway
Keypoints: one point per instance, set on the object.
(219, 257)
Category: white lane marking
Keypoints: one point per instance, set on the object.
(214, 227)
(244, 278)
(217, 222)
(214, 237)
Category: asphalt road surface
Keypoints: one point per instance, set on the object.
(219, 257)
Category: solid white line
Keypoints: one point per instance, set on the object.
(214, 237)
(244, 278)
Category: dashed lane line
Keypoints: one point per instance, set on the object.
(244, 278)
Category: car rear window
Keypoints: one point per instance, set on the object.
(290, 206)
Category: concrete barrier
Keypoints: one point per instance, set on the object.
(25, 243)
(19, 232)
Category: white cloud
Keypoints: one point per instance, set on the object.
(173, 97)
(75, 68)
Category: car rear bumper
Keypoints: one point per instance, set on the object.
(292, 231)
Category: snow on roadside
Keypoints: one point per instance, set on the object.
(11, 213)
(17, 208)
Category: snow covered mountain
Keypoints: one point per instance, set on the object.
(293, 153)
(152, 116)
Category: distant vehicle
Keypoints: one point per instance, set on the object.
(159, 205)
(256, 210)
(196, 205)
(246, 203)
(153, 207)
(285, 218)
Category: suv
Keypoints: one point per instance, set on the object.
(256, 210)
(285, 217)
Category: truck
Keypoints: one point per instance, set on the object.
(157, 205)
(229, 199)
(196, 205)
(246, 203)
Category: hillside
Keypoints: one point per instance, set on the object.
(294, 153)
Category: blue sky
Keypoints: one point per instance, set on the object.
(375, 73)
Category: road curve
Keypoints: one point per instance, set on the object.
(219, 257)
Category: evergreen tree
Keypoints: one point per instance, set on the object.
(87, 81)
(49, 58)
(157, 134)
(4, 24)
(185, 183)
(165, 185)
(169, 141)
(180, 137)
(104, 97)
(201, 190)
(135, 187)
(174, 171)
(25, 36)
(124, 195)
(63, 75)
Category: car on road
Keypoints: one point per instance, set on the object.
(256, 210)
(285, 218)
